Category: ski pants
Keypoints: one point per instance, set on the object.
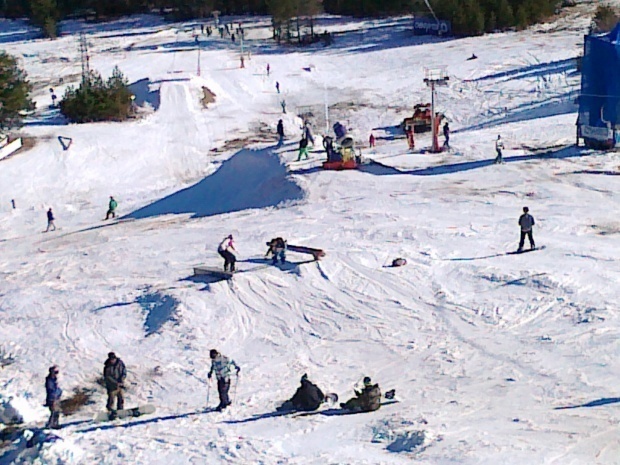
(498, 158)
(109, 214)
(229, 259)
(281, 254)
(303, 152)
(50, 224)
(223, 386)
(54, 420)
(529, 236)
(115, 395)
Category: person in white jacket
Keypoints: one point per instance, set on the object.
(224, 249)
(499, 146)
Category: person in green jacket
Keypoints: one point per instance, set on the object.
(111, 208)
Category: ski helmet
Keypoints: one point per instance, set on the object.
(367, 380)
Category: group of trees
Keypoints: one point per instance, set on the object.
(469, 17)
(98, 100)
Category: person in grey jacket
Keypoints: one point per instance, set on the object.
(526, 221)
(222, 367)
(114, 374)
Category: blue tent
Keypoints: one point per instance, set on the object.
(599, 103)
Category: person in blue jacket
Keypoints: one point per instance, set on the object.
(52, 400)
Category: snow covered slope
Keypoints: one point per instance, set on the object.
(495, 358)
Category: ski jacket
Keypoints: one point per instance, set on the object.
(499, 144)
(280, 129)
(526, 221)
(276, 245)
(308, 396)
(225, 245)
(369, 398)
(52, 390)
(222, 366)
(303, 143)
(50, 216)
(112, 205)
(114, 374)
(446, 130)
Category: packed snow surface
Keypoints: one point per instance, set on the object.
(495, 358)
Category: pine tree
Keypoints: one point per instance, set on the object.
(504, 14)
(14, 92)
(45, 14)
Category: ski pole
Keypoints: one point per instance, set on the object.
(234, 391)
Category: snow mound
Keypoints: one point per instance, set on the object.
(249, 179)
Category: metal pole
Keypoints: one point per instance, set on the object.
(433, 116)
(326, 109)
(198, 70)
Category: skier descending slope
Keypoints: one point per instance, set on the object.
(222, 366)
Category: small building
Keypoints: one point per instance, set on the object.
(598, 123)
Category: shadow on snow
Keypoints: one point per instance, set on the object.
(594, 403)
(249, 179)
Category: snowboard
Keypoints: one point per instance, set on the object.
(210, 270)
(126, 413)
(516, 252)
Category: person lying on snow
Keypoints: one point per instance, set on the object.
(307, 398)
(366, 400)
(277, 247)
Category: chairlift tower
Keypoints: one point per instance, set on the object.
(433, 78)
(85, 58)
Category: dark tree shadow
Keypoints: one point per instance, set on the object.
(537, 70)
(594, 403)
(606, 173)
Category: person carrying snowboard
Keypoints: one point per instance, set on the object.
(114, 374)
(303, 149)
(526, 221)
(222, 367)
(111, 209)
(50, 220)
(366, 400)
(277, 248)
(499, 146)
(280, 130)
(307, 398)
(224, 249)
(52, 400)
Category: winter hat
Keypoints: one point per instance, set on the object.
(111, 355)
(304, 377)
(213, 353)
(525, 209)
(54, 369)
(367, 380)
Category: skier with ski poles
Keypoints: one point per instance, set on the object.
(222, 367)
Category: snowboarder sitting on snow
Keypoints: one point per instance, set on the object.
(303, 149)
(224, 249)
(114, 374)
(277, 247)
(366, 400)
(526, 221)
(52, 400)
(111, 209)
(307, 398)
(222, 366)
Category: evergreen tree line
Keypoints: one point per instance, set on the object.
(468, 17)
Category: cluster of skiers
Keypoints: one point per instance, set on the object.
(308, 396)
